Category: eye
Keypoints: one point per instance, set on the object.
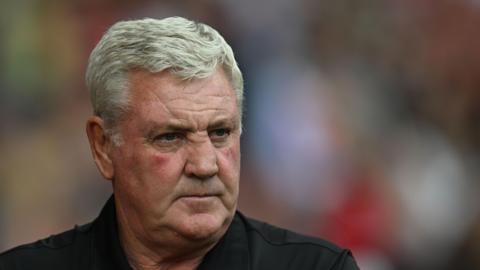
(166, 141)
(220, 133)
(168, 138)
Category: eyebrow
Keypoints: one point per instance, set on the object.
(168, 126)
(222, 122)
(154, 126)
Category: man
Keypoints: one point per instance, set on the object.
(167, 99)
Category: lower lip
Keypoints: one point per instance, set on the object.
(198, 198)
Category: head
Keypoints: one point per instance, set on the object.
(167, 99)
(185, 48)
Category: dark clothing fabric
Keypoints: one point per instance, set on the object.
(248, 244)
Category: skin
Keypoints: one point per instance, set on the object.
(176, 175)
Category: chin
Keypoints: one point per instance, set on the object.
(203, 226)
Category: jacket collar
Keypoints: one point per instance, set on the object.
(231, 252)
(107, 250)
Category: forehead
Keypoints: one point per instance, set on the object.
(165, 96)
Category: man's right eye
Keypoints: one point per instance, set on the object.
(167, 142)
(168, 137)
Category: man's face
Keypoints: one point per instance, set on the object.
(177, 170)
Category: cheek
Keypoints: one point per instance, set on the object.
(164, 168)
(229, 161)
(229, 173)
(149, 172)
(159, 162)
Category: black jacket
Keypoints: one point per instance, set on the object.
(248, 244)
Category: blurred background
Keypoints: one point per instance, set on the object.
(362, 120)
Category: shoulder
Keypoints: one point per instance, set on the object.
(273, 245)
(54, 252)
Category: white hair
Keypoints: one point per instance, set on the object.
(188, 49)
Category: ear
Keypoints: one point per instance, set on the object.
(100, 145)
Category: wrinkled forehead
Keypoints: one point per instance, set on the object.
(165, 85)
(166, 94)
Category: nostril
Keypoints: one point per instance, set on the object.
(201, 161)
(201, 170)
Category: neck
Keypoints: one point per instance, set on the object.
(173, 253)
(143, 258)
(146, 263)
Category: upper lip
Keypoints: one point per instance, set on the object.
(207, 194)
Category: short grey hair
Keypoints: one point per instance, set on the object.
(188, 49)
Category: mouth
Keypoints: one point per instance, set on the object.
(196, 201)
(199, 196)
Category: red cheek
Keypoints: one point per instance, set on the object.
(159, 160)
(165, 165)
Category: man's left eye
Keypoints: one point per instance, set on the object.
(220, 133)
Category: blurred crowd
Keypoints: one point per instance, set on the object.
(362, 120)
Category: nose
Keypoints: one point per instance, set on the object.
(202, 160)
